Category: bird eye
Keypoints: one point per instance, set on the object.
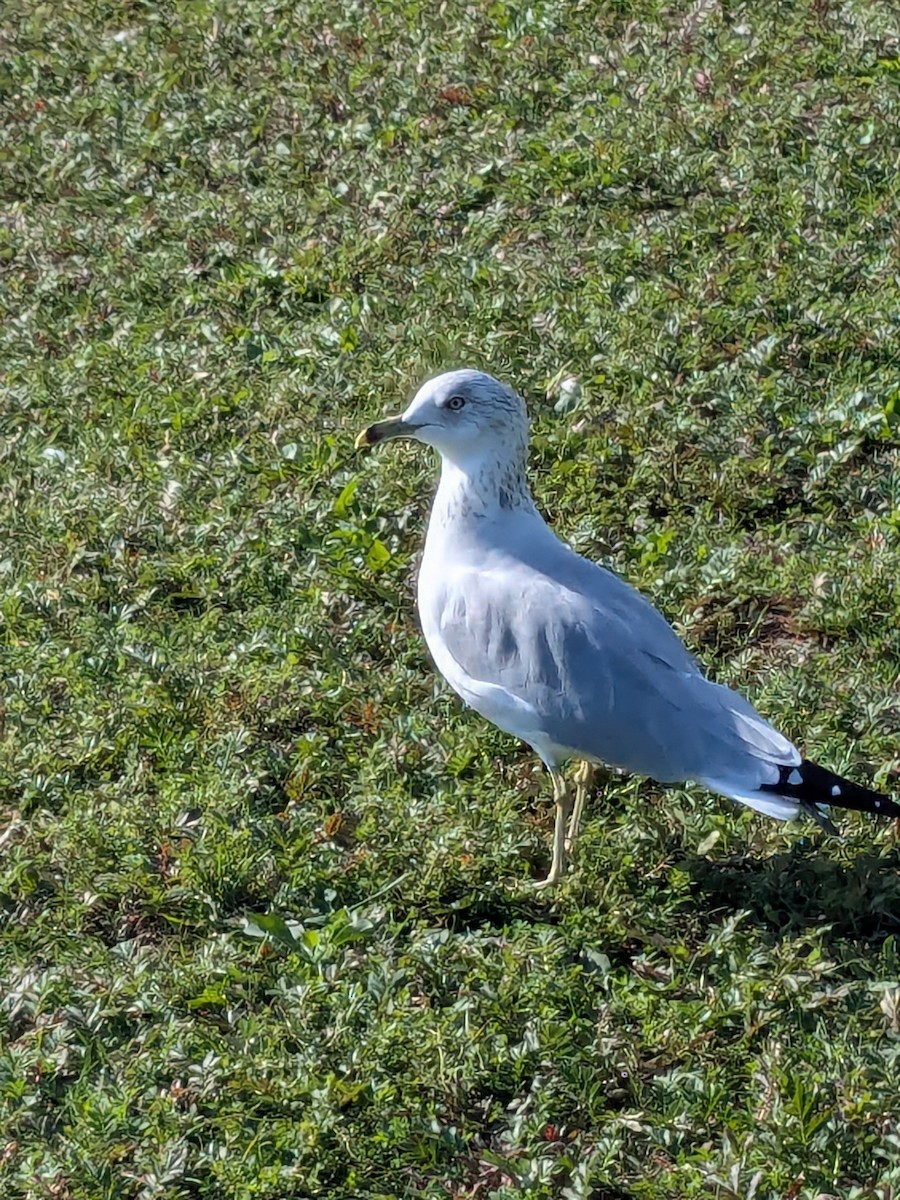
(456, 403)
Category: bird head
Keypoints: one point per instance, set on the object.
(460, 414)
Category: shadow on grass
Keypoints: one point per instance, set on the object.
(805, 888)
(465, 908)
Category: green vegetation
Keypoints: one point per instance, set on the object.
(265, 932)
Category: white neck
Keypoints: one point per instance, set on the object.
(482, 485)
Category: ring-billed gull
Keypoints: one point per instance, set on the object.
(561, 652)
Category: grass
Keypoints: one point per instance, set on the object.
(264, 929)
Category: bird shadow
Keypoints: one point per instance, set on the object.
(803, 889)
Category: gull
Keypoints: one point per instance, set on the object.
(564, 654)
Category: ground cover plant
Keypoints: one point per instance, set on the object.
(265, 923)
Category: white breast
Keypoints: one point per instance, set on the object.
(437, 578)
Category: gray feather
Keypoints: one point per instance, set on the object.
(607, 673)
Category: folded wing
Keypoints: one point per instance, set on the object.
(606, 674)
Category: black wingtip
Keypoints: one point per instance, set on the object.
(812, 786)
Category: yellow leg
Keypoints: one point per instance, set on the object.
(584, 777)
(563, 797)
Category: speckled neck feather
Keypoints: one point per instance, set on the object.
(485, 485)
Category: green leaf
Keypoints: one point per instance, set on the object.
(273, 926)
(343, 500)
(379, 555)
(708, 842)
(212, 996)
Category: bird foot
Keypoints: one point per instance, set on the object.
(551, 881)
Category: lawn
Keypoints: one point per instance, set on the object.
(265, 923)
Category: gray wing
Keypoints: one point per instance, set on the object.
(604, 670)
